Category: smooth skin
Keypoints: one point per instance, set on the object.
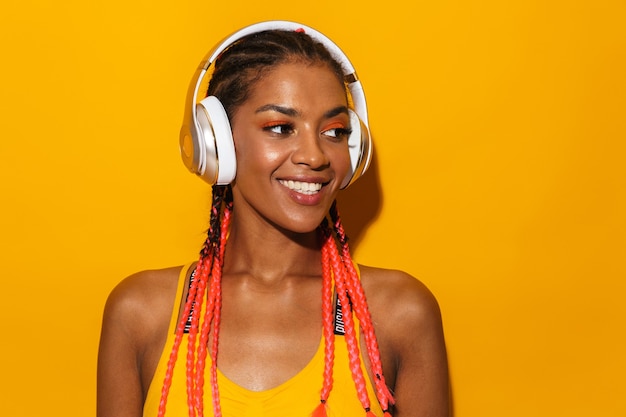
(293, 127)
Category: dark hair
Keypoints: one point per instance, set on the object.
(247, 60)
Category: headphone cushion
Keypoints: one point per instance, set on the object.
(217, 145)
(359, 146)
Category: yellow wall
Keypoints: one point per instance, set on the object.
(499, 181)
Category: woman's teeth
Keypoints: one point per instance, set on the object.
(302, 187)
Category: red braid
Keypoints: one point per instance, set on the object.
(217, 290)
(212, 250)
(354, 357)
(329, 334)
(197, 386)
(193, 334)
(196, 288)
(211, 319)
(177, 341)
(357, 295)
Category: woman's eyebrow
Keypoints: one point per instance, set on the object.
(336, 111)
(288, 111)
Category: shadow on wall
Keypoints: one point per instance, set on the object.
(359, 205)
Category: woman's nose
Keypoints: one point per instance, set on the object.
(309, 151)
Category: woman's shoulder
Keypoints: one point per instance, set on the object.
(145, 287)
(399, 302)
(409, 330)
(395, 287)
(143, 299)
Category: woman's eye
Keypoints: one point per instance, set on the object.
(279, 128)
(337, 132)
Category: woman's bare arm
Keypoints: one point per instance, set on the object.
(119, 382)
(409, 318)
(134, 328)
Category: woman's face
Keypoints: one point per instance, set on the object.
(291, 141)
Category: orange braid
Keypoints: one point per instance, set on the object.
(329, 334)
(217, 290)
(385, 397)
(195, 371)
(211, 319)
(190, 305)
(197, 387)
(350, 335)
(193, 303)
(177, 341)
(193, 335)
(355, 289)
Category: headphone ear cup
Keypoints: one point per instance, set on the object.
(215, 139)
(360, 148)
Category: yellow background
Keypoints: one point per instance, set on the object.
(499, 181)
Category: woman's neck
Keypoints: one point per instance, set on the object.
(269, 253)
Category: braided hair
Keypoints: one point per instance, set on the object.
(236, 71)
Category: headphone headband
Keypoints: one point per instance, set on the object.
(350, 76)
(335, 51)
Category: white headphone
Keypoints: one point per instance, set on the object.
(206, 140)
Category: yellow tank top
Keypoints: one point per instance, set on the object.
(297, 397)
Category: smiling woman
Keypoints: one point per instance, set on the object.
(274, 316)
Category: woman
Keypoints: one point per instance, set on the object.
(296, 328)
